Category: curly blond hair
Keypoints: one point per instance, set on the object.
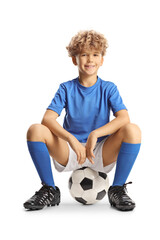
(87, 40)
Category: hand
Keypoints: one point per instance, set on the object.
(90, 145)
(79, 149)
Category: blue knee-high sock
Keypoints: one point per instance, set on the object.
(126, 158)
(40, 156)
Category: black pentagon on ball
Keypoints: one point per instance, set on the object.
(101, 195)
(81, 200)
(103, 175)
(70, 183)
(86, 184)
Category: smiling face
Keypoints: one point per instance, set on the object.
(88, 62)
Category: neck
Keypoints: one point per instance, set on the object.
(87, 81)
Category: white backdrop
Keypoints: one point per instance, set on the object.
(33, 62)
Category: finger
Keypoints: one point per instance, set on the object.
(89, 156)
(91, 160)
(78, 158)
(93, 155)
(81, 162)
(82, 159)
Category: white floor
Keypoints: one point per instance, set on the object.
(71, 220)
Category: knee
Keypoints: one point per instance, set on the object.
(35, 132)
(131, 133)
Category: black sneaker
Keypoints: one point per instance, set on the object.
(119, 199)
(46, 196)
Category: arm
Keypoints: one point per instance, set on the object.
(49, 120)
(121, 119)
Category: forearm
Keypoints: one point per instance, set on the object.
(111, 127)
(56, 128)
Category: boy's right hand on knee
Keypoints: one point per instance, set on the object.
(79, 149)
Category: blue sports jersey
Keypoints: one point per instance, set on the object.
(87, 108)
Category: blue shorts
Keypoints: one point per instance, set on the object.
(73, 164)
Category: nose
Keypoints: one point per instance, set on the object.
(90, 58)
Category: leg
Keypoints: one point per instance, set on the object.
(41, 143)
(130, 133)
(57, 147)
(126, 144)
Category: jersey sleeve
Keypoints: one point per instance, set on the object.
(115, 100)
(59, 101)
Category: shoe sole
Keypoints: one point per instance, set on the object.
(122, 208)
(29, 207)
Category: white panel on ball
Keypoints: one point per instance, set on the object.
(77, 176)
(89, 196)
(100, 184)
(76, 190)
(88, 172)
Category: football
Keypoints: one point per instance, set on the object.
(88, 186)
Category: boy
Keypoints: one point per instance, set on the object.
(87, 137)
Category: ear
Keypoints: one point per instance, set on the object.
(102, 60)
(74, 60)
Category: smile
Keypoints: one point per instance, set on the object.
(89, 66)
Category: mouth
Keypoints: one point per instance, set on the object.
(89, 66)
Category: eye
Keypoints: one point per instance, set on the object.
(96, 55)
(83, 54)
